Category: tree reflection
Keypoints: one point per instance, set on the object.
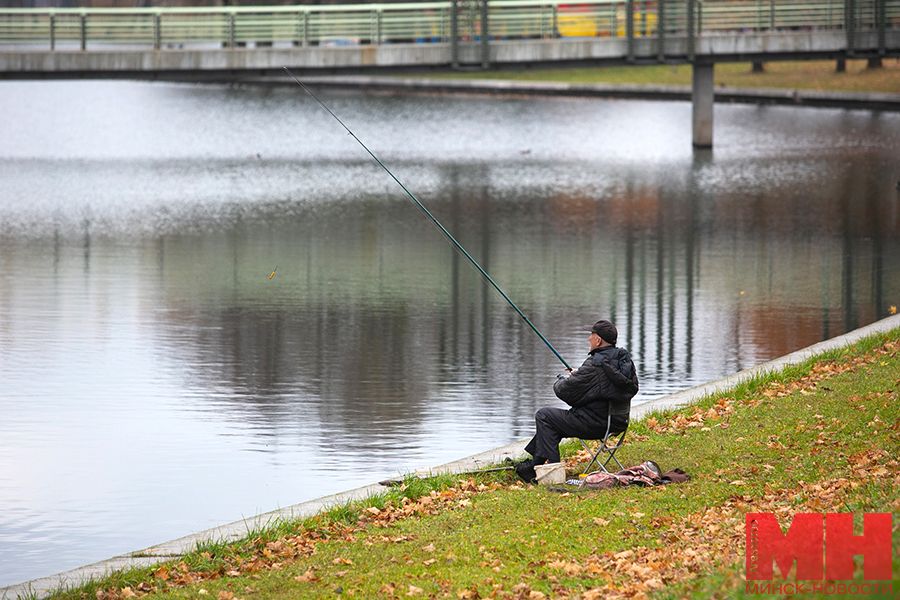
(373, 322)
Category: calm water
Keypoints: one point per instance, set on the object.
(154, 381)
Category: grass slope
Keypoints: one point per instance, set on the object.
(800, 75)
(820, 437)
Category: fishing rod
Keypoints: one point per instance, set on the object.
(453, 241)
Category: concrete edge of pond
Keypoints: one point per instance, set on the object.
(234, 531)
(174, 549)
(795, 97)
(689, 396)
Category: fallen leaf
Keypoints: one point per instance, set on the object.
(594, 594)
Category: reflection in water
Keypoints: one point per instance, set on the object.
(156, 381)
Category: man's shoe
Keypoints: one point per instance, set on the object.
(526, 473)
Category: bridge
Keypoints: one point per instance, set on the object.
(233, 43)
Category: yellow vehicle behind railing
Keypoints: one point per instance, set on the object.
(609, 20)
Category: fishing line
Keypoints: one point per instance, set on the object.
(452, 240)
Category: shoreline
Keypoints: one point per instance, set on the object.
(502, 87)
(173, 549)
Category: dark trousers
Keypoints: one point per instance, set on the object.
(554, 424)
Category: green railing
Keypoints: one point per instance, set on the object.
(422, 22)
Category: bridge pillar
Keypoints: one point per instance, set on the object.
(702, 99)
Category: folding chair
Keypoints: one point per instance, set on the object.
(609, 444)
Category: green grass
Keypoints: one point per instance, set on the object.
(802, 75)
(819, 437)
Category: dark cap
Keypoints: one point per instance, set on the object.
(605, 329)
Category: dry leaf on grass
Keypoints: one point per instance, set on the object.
(309, 577)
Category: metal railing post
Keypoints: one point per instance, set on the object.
(661, 30)
(83, 34)
(629, 28)
(454, 34)
(231, 32)
(643, 18)
(157, 32)
(691, 51)
(377, 40)
(304, 34)
(771, 15)
(52, 31)
(485, 36)
(699, 18)
(850, 25)
(555, 33)
(881, 21)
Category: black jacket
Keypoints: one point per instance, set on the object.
(604, 384)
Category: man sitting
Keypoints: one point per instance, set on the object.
(599, 392)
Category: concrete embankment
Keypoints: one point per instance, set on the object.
(812, 98)
(234, 531)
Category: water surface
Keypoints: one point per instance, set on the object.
(155, 381)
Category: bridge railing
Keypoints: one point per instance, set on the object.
(762, 15)
(423, 22)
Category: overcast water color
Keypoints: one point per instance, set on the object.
(155, 381)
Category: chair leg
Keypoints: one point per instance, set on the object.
(610, 450)
(605, 447)
(595, 458)
(612, 456)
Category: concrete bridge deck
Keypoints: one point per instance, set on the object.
(239, 63)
